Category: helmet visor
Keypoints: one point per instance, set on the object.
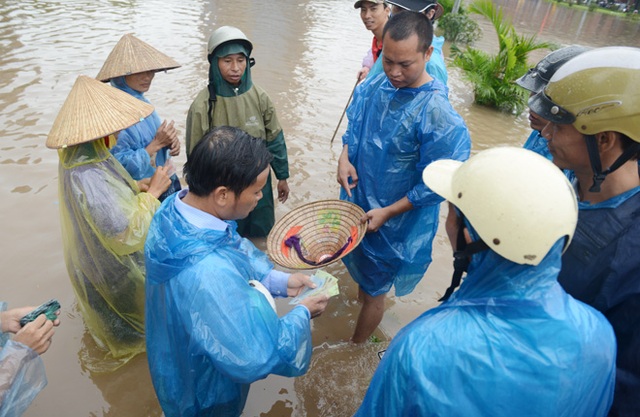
(543, 106)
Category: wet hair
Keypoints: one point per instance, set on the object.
(403, 25)
(225, 157)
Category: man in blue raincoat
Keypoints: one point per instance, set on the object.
(399, 122)
(435, 66)
(592, 103)
(211, 330)
(510, 342)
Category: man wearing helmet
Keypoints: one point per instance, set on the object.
(510, 341)
(534, 81)
(592, 104)
(232, 99)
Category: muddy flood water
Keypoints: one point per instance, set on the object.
(307, 55)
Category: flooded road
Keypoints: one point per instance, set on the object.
(307, 54)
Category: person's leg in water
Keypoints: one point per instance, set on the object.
(370, 316)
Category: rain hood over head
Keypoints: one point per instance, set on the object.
(509, 342)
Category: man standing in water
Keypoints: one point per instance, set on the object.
(398, 124)
(211, 328)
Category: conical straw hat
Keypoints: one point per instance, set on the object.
(325, 231)
(94, 110)
(131, 56)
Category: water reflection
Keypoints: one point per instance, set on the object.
(307, 54)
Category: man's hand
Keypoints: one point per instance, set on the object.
(298, 282)
(346, 170)
(160, 182)
(10, 319)
(283, 191)
(166, 135)
(37, 334)
(362, 74)
(375, 218)
(316, 305)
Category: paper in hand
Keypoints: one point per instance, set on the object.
(325, 284)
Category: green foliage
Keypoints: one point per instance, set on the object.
(459, 28)
(493, 76)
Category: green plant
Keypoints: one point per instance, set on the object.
(493, 76)
(459, 28)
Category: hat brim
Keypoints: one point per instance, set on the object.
(544, 107)
(438, 176)
(531, 82)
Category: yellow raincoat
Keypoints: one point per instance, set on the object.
(105, 219)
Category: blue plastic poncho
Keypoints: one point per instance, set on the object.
(209, 334)
(435, 66)
(22, 375)
(105, 219)
(393, 134)
(601, 267)
(510, 342)
(130, 148)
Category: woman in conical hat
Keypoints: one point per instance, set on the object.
(131, 67)
(104, 216)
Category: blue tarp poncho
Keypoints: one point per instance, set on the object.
(601, 267)
(209, 334)
(435, 66)
(130, 148)
(22, 375)
(393, 134)
(510, 342)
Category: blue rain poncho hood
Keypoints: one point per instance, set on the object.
(601, 267)
(131, 144)
(220, 333)
(509, 342)
(130, 148)
(393, 134)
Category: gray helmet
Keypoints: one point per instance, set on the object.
(538, 77)
(225, 34)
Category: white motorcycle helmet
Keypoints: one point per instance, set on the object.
(517, 201)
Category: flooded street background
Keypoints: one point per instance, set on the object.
(307, 54)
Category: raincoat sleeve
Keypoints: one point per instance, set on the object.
(133, 156)
(235, 327)
(119, 214)
(22, 377)
(442, 135)
(275, 138)
(197, 120)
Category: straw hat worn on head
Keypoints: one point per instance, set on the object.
(92, 111)
(316, 234)
(131, 56)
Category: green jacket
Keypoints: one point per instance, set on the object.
(253, 112)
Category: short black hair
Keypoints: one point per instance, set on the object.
(626, 143)
(402, 25)
(225, 157)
